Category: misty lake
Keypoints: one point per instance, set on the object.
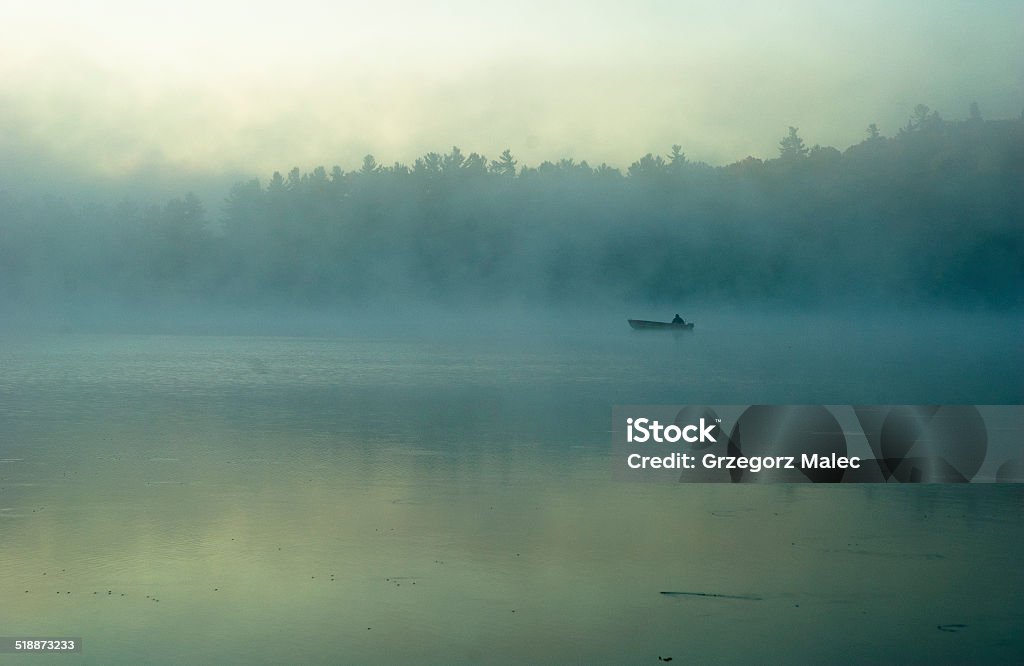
(445, 495)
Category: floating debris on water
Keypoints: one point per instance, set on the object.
(745, 597)
(951, 628)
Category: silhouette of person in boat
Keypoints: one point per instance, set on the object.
(678, 320)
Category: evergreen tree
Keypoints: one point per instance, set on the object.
(505, 165)
(792, 146)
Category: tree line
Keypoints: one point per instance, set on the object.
(933, 214)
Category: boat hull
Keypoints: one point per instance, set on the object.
(644, 325)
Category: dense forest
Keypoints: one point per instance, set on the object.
(931, 215)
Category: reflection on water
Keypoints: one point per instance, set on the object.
(207, 500)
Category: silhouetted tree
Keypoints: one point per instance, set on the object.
(647, 165)
(792, 146)
(505, 165)
(369, 166)
(676, 158)
(475, 164)
(607, 172)
(923, 119)
(453, 161)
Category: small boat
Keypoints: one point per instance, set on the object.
(644, 325)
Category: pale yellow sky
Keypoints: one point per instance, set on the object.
(120, 87)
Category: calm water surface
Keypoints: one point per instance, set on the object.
(440, 499)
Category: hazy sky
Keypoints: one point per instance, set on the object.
(139, 89)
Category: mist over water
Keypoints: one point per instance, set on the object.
(732, 356)
(926, 219)
(443, 492)
(368, 413)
